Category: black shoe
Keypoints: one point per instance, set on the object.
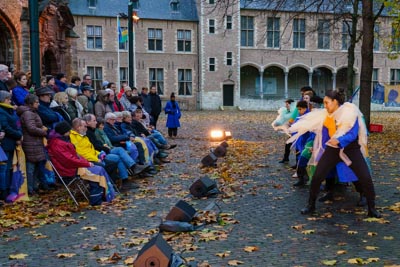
(145, 175)
(283, 161)
(326, 197)
(293, 167)
(172, 146)
(136, 169)
(152, 171)
(127, 185)
(374, 213)
(299, 183)
(308, 210)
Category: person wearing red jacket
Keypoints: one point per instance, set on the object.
(68, 164)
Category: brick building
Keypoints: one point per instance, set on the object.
(57, 38)
(247, 55)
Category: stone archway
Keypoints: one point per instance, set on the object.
(49, 63)
(8, 51)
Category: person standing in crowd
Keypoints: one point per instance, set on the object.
(12, 136)
(146, 99)
(60, 105)
(103, 105)
(124, 100)
(4, 76)
(51, 83)
(48, 116)
(20, 91)
(61, 82)
(341, 135)
(86, 100)
(74, 108)
(173, 116)
(155, 102)
(75, 82)
(32, 144)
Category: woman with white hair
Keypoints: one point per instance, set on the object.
(74, 108)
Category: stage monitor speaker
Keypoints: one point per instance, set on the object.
(156, 253)
(182, 212)
(220, 151)
(202, 187)
(209, 160)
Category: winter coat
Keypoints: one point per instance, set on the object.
(33, 134)
(97, 143)
(102, 137)
(146, 102)
(102, 106)
(74, 109)
(127, 128)
(3, 86)
(83, 146)
(173, 114)
(115, 135)
(125, 102)
(63, 155)
(60, 86)
(139, 128)
(8, 123)
(155, 101)
(60, 110)
(87, 104)
(49, 117)
(18, 95)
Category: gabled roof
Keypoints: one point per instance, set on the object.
(319, 6)
(148, 9)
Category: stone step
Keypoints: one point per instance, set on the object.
(229, 108)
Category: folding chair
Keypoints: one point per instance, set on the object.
(74, 181)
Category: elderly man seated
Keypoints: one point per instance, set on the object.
(86, 149)
(68, 164)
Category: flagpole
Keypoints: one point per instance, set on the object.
(118, 64)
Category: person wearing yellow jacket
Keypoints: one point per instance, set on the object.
(85, 149)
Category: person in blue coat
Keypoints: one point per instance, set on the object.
(173, 115)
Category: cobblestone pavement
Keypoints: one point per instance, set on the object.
(265, 205)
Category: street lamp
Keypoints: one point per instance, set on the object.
(132, 18)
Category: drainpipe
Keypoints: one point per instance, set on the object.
(34, 41)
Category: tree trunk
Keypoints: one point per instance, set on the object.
(350, 52)
(367, 59)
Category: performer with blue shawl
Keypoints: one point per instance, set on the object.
(341, 136)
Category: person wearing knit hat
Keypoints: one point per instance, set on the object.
(173, 115)
(4, 95)
(62, 128)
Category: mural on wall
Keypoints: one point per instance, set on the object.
(386, 94)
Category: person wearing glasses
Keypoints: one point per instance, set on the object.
(4, 76)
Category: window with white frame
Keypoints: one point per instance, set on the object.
(229, 58)
(211, 26)
(299, 33)
(123, 75)
(346, 37)
(324, 34)
(394, 76)
(92, 3)
(155, 39)
(273, 32)
(94, 37)
(156, 78)
(184, 40)
(184, 81)
(211, 2)
(395, 39)
(229, 22)
(97, 76)
(211, 64)
(247, 31)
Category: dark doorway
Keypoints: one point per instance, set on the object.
(228, 95)
(49, 63)
(6, 46)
